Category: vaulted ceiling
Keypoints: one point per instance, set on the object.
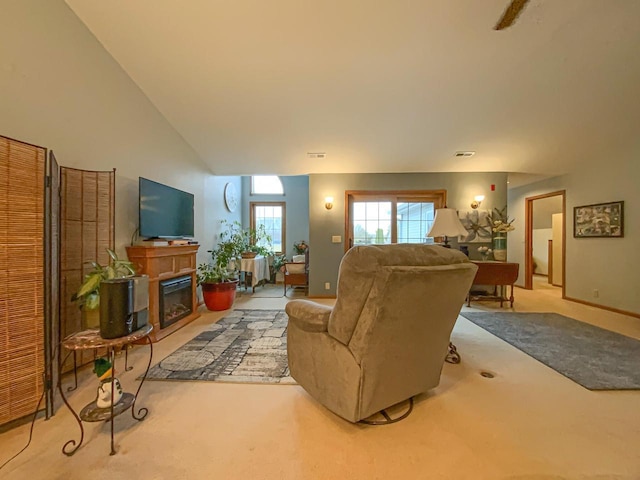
(383, 86)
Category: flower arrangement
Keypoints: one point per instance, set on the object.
(300, 247)
(500, 226)
(485, 252)
(500, 222)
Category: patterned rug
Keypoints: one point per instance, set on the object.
(596, 358)
(246, 346)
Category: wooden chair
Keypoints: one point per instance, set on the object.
(296, 273)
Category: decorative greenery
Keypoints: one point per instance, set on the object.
(300, 247)
(226, 256)
(500, 223)
(102, 366)
(278, 262)
(88, 295)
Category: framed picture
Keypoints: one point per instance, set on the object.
(599, 220)
(477, 225)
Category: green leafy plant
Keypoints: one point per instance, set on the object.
(300, 247)
(102, 368)
(226, 256)
(88, 295)
(278, 262)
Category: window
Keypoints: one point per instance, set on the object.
(414, 221)
(272, 216)
(266, 185)
(391, 217)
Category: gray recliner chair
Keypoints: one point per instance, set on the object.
(386, 338)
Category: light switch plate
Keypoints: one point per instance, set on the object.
(336, 239)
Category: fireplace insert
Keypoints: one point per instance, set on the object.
(176, 301)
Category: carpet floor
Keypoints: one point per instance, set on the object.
(246, 346)
(596, 358)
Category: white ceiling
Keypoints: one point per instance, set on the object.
(383, 86)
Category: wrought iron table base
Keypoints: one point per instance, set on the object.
(91, 413)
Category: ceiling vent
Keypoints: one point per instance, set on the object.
(316, 155)
(465, 154)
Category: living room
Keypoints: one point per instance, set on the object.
(63, 89)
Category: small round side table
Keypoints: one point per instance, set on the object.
(91, 340)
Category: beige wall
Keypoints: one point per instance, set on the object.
(609, 265)
(60, 89)
(540, 243)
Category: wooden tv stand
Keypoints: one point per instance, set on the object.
(162, 263)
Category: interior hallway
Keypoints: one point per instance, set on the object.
(528, 422)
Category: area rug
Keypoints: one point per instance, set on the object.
(596, 358)
(246, 346)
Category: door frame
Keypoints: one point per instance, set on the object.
(528, 238)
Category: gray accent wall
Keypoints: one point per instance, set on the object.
(325, 256)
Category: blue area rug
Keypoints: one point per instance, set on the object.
(596, 358)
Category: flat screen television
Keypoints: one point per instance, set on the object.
(164, 211)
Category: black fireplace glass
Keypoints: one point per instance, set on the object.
(176, 301)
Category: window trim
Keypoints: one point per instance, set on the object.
(438, 197)
(252, 219)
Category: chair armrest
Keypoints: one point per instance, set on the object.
(308, 316)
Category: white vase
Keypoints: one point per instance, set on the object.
(104, 393)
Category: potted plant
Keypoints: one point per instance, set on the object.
(88, 295)
(219, 278)
(300, 247)
(218, 283)
(104, 371)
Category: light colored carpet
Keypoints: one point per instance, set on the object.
(268, 290)
(246, 346)
(596, 358)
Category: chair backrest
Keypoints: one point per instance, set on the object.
(362, 266)
(395, 309)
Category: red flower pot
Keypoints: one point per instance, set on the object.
(219, 296)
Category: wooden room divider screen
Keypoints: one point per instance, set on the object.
(44, 210)
(87, 217)
(22, 289)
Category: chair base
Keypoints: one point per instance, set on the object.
(452, 354)
(387, 419)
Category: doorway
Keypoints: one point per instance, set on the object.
(545, 240)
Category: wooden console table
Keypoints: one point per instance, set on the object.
(162, 263)
(498, 274)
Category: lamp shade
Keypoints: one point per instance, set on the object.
(447, 224)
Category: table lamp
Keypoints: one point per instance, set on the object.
(446, 224)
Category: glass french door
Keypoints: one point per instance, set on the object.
(379, 218)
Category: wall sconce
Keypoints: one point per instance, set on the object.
(328, 203)
(477, 200)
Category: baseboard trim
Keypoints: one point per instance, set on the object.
(321, 296)
(603, 307)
